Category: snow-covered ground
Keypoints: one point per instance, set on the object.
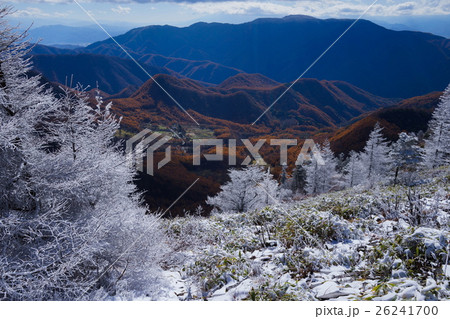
(355, 244)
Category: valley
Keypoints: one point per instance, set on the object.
(226, 85)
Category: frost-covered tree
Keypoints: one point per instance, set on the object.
(321, 176)
(71, 223)
(353, 170)
(248, 189)
(23, 106)
(285, 192)
(298, 179)
(376, 157)
(269, 189)
(283, 175)
(406, 156)
(341, 161)
(437, 145)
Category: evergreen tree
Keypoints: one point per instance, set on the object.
(321, 178)
(376, 157)
(298, 180)
(283, 176)
(342, 161)
(353, 170)
(406, 156)
(268, 188)
(437, 145)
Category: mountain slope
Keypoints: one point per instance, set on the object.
(204, 71)
(244, 80)
(410, 115)
(37, 49)
(112, 74)
(241, 99)
(415, 63)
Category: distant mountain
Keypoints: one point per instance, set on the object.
(204, 71)
(67, 46)
(53, 50)
(112, 74)
(410, 115)
(384, 62)
(242, 98)
(68, 35)
(436, 24)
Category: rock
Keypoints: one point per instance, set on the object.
(389, 297)
(271, 243)
(399, 273)
(316, 281)
(333, 269)
(227, 278)
(431, 284)
(396, 263)
(330, 290)
(409, 292)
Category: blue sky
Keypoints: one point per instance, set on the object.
(181, 13)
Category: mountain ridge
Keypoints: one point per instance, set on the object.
(416, 63)
(243, 104)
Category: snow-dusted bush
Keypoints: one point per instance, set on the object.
(417, 253)
(190, 232)
(313, 229)
(355, 244)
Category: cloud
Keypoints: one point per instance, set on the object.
(238, 7)
(36, 13)
(408, 6)
(121, 10)
(41, 1)
(320, 8)
(312, 7)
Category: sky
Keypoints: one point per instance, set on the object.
(186, 12)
